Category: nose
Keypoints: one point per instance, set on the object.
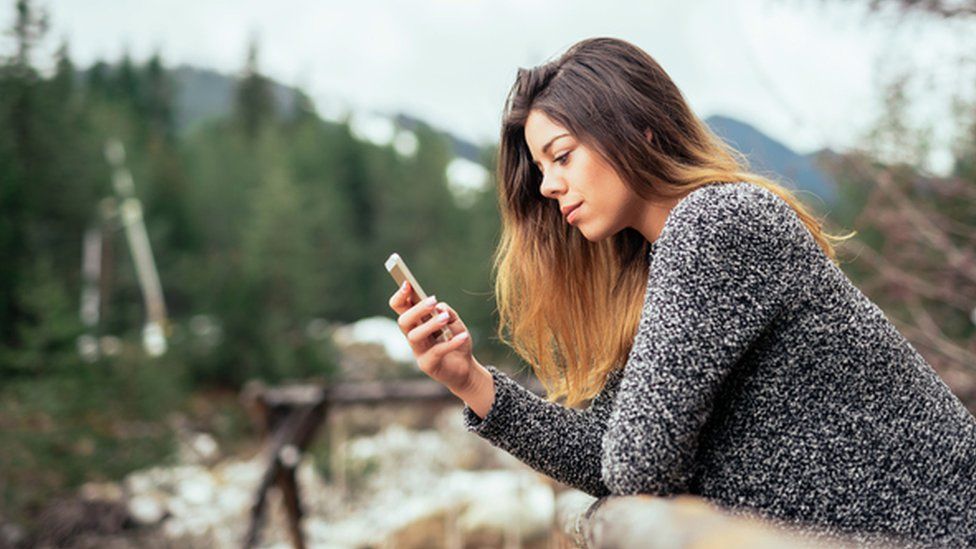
(551, 185)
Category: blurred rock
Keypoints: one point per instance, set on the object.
(503, 501)
(147, 509)
(104, 491)
(405, 488)
(196, 448)
(11, 535)
(401, 486)
(372, 349)
(380, 330)
(67, 519)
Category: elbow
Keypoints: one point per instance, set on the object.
(618, 479)
(630, 474)
(623, 477)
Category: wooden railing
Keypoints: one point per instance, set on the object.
(684, 521)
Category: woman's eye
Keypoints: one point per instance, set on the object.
(561, 160)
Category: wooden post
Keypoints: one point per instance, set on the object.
(289, 494)
(291, 415)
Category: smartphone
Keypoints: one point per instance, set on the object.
(400, 273)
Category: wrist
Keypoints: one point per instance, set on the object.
(479, 391)
(475, 380)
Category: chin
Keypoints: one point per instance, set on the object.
(595, 236)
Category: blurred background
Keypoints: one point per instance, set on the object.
(198, 195)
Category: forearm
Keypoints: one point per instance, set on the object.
(560, 442)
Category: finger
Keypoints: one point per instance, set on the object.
(438, 350)
(401, 300)
(454, 323)
(417, 314)
(421, 333)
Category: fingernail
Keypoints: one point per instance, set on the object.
(441, 307)
(430, 299)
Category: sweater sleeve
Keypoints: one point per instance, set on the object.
(563, 443)
(723, 272)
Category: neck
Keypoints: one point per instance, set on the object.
(652, 218)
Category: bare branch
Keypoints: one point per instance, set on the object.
(963, 260)
(935, 334)
(955, 354)
(893, 274)
(947, 9)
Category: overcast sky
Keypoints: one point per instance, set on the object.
(807, 73)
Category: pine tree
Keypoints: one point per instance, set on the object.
(156, 106)
(20, 162)
(255, 101)
(63, 84)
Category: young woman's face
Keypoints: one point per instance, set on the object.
(575, 174)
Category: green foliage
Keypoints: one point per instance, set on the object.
(262, 222)
(82, 422)
(255, 103)
(48, 332)
(265, 227)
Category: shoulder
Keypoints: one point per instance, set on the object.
(730, 241)
(731, 212)
(738, 202)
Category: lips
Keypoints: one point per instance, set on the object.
(566, 210)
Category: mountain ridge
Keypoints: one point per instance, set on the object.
(202, 94)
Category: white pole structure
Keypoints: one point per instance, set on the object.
(91, 267)
(91, 272)
(154, 332)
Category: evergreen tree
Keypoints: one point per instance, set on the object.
(63, 84)
(98, 77)
(30, 26)
(255, 101)
(20, 162)
(156, 108)
(125, 84)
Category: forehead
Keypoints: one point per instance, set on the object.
(539, 130)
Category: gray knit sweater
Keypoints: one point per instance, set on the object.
(761, 379)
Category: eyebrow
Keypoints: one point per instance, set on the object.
(545, 148)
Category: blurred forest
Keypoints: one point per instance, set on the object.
(270, 227)
(267, 228)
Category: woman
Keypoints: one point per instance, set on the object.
(700, 308)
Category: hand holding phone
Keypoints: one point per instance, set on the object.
(441, 344)
(401, 273)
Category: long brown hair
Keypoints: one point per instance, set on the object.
(567, 306)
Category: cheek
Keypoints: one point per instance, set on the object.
(592, 179)
(601, 185)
